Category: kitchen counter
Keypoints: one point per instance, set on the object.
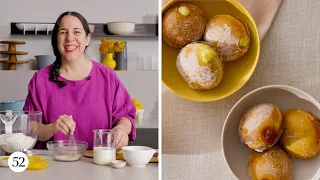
(83, 170)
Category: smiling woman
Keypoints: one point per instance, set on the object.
(76, 94)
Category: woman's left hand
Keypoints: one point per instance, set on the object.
(120, 137)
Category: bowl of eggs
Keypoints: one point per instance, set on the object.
(210, 49)
(273, 132)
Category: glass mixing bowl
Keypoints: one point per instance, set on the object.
(19, 130)
(62, 151)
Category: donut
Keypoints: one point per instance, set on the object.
(182, 24)
(199, 66)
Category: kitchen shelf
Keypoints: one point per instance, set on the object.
(100, 30)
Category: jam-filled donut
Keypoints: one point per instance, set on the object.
(261, 126)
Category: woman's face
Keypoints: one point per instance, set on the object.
(72, 39)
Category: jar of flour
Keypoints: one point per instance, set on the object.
(19, 130)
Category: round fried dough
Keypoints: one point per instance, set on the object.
(272, 164)
(199, 66)
(301, 134)
(182, 24)
(229, 36)
(261, 126)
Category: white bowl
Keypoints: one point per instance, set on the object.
(236, 154)
(4, 163)
(26, 27)
(50, 27)
(42, 27)
(118, 164)
(137, 156)
(121, 28)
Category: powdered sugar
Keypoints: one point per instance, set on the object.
(222, 35)
(256, 116)
(16, 141)
(194, 74)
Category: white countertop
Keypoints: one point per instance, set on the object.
(83, 170)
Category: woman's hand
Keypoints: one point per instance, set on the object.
(120, 136)
(64, 124)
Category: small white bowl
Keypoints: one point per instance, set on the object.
(118, 164)
(121, 28)
(236, 154)
(138, 156)
(4, 163)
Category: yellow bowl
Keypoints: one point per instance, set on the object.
(236, 73)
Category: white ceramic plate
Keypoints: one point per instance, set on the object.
(237, 154)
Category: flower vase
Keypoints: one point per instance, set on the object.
(121, 59)
(109, 61)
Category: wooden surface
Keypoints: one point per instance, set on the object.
(12, 42)
(89, 154)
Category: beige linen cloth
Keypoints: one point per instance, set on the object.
(290, 55)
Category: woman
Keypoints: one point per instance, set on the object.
(76, 94)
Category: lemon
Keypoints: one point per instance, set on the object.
(119, 152)
(135, 102)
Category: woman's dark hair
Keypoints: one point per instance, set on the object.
(54, 42)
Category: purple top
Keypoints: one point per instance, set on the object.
(95, 103)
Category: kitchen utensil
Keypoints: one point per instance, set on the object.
(72, 141)
(8, 120)
(44, 60)
(285, 97)
(104, 147)
(19, 129)
(138, 156)
(89, 154)
(236, 73)
(61, 151)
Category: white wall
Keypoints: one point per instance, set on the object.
(141, 85)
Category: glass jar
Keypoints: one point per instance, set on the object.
(104, 148)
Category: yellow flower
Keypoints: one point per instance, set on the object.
(111, 46)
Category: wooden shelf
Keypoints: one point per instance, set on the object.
(100, 30)
(12, 52)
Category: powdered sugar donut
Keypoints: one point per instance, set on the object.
(273, 163)
(228, 35)
(199, 65)
(261, 126)
(183, 23)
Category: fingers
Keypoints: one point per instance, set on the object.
(61, 126)
(116, 138)
(69, 123)
(120, 139)
(65, 124)
(123, 142)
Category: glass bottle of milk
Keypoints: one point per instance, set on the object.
(104, 149)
